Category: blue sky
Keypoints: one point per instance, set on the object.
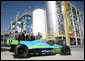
(10, 9)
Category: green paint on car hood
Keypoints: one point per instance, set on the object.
(57, 50)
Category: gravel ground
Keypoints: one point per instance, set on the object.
(77, 54)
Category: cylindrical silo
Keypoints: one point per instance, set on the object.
(39, 22)
(52, 19)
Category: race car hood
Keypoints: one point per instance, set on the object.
(36, 44)
(56, 45)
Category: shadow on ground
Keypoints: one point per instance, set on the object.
(4, 49)
(33, 56)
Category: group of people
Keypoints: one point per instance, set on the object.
(26, 37)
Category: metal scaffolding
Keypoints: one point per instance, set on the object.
(21, 22)
(68, 22)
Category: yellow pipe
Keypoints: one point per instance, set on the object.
(66, 20)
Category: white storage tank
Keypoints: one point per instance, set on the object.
(52, 17)
(39, 22)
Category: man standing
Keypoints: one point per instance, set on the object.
(39, 37)
(24, 35)
(28, 38)
(21, 36)
(32, 37)
(16, 35)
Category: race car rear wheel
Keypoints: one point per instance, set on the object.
(21, 51)
(65, 50)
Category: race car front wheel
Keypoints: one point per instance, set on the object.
(65, 50)
(21, 51)
(12, 47)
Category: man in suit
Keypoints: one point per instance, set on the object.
(39, 36)
(32, 37)
(21, 36)
(28, 38)
(16, 35)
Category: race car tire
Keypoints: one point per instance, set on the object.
(12, 47)
(65, 50)
(21, 51)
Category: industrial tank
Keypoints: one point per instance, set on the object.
(39, 22)
(52, 18)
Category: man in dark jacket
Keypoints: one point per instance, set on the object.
(21, 36)
(25, 35)
(32, 37)
(16, 35)
(28, 38)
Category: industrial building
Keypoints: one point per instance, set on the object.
(65, 20)
(21, 22)
(60, 21)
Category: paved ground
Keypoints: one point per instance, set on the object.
(77, 54)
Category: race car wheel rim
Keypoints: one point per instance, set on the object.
(67, 51)
(22, 50)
